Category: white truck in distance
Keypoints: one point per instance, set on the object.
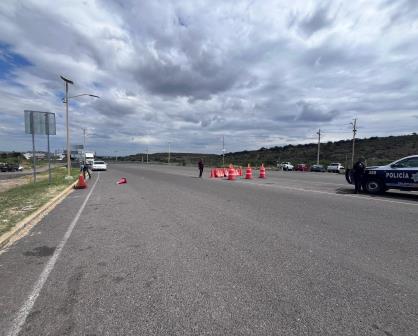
(89, 157)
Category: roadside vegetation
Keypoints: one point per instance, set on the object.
(376, 151)
(19, 202)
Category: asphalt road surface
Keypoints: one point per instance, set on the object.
(171, 254)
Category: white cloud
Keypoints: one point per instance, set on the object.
(187, 72)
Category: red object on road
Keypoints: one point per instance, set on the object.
(231, 173)
(248, 173)
(262, 171)
(81, 184)
(122, 180)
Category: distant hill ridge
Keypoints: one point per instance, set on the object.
(376, 150)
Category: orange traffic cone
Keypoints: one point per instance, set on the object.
(231, 173)
(122, 180)
(81, 184)
(248, 173)
(262, 171)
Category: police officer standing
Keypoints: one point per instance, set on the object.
(358, 172)
(200, 166)
(86, 170)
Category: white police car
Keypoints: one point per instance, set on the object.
(401, 174)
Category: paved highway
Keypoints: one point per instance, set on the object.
(171, 254)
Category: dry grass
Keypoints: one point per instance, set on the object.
(22, 200)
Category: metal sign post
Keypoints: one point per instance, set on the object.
(37, 122)
(49, 156)
(33, 147)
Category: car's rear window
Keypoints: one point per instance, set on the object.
(98, 162)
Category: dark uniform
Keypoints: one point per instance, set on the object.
(358, 173)
(86, 170)
(200, 165)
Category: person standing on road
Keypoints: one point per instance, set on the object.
(201, 166)
(82, 168)
(358, 172)
(86, 170)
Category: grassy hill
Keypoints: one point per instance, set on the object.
(376, 150)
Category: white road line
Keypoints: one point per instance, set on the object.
(333, 194)
(311, 182)
(367, 198)
(24, 311)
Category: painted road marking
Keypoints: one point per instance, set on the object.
(243, 182)
(332, 194)
(24, 311)
(298, 189)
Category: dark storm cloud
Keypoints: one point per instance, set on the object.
(112, 108)
(308, 112)
(198, 79)
(312, 22)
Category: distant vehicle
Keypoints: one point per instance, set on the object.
(302, 167)
(285, 166)
(59, 157)
(98, 165)
(89, 157)
(9, 167)
(401, 174)
(335, 168)
(318, 168)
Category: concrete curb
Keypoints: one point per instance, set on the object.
(35, 217)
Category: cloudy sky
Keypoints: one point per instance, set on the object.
(261, 73)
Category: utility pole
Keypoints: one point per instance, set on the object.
(169, 153)
(67, 81)
(354, 123)
(223, 151)
(319, 146)
(147, 154)
(84, 139)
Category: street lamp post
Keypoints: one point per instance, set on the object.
(84, 140)
(67, 81)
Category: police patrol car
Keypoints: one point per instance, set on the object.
(401, 174)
